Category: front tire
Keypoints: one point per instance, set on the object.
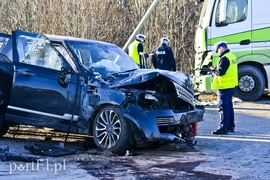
(112, 132)
(251, 83)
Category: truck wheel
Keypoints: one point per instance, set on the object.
(112, 132)
(251, 83)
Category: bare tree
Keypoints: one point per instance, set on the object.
(108, 20)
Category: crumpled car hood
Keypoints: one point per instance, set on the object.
(168, 84)
(143, 75)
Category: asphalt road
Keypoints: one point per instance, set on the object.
(243, 154)
(240, 155)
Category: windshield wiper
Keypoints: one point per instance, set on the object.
(129, 70)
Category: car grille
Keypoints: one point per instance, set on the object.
(162, 121)
(184, 94)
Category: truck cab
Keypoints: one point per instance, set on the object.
(243, 24)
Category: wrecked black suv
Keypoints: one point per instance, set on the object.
(90, 87)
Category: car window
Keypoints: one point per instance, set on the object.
(3, 43)
(39, 52)
(101, 57)
(4, 59)
(6, 45)
(66, 55)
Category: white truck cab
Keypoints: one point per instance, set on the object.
(245, 26)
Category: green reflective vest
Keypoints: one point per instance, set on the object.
(133, 51)
(230, 78)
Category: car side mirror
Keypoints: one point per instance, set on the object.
(222, 11)
(64, 77)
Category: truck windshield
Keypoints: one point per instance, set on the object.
(206, 13)
(236, 11)
(101, 57)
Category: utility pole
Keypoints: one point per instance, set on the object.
(139, 26)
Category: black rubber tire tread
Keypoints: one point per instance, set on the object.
(3, 126)
(257, 75)
(3, 130)
(3, 101)
(126, 138)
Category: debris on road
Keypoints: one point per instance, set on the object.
(49, 150)
(5, 155)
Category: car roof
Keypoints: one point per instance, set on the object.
(70, 38)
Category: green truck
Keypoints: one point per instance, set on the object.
(245, 26)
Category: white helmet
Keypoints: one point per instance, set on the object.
(164, 40)
(142, 36)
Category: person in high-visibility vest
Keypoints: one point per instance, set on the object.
(225, 81)
(136, 47)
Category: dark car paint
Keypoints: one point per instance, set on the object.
(144, 121)
(40, 96)
(36, 90)
(6, 77)
(143, 75)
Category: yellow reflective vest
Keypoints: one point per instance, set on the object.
(230, 78)
(133, 51)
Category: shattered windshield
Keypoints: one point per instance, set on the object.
(101, 58)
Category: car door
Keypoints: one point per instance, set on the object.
(44, 83)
